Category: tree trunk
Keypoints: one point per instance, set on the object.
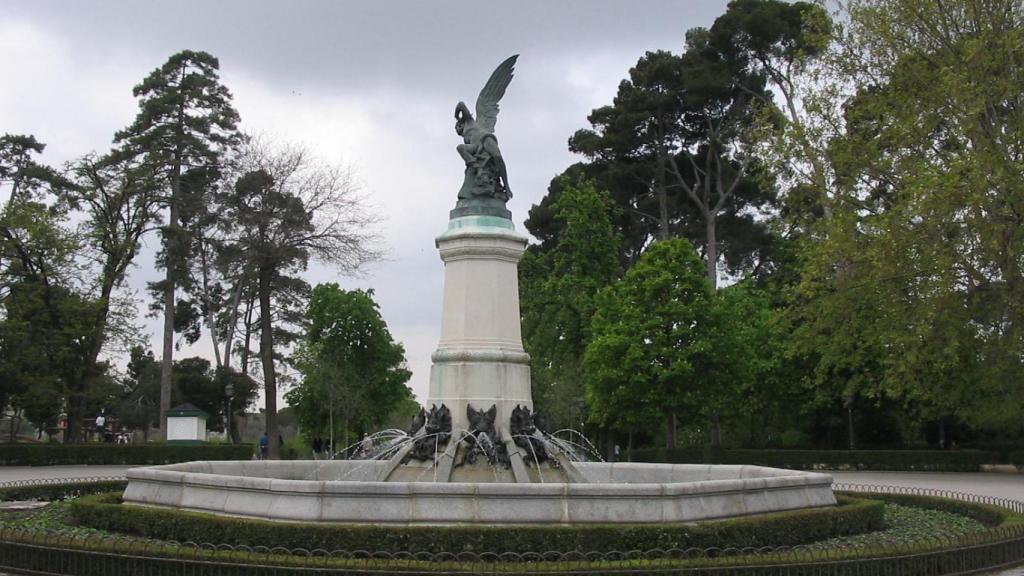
(715, 430)
(248, 336)
(230, 336)
(711, 248)
(661, 192)
(208, 302)
(173, 252)
(348, 453)
(849, 427)
(330, 419)
(233, 434)
(267, 358)
(670, 429)
(73, 431)
(14, 417)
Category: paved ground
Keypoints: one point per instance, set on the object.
(1000, 485)
(9, 473)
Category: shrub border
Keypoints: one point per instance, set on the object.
(59, 489)
(789, 528)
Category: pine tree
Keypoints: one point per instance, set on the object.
(185, 121)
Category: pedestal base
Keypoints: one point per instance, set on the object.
(480, 384)
(480, 359)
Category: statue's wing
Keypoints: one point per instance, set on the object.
(487, 102)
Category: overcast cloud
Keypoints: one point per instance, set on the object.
(368, 84)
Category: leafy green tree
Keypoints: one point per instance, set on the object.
(41, 404)
(350, 365)
(637, 134)
(25, 177)
(276, 218)
(245, 392)
(140, 406)
(677, 125)
(622, 189)
(646, 338)
(185, 121)
(196, 382)
(44, 322)
(41, 349)
(558, 289)
(119, 202)
(735, 365)
(116, 208)
(911, 289)
(789, 44)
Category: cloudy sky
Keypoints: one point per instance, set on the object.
(370, 84)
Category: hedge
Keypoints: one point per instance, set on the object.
(894, 460)
(989, 515)
(852, 516)
(58, 491)
(149, 453)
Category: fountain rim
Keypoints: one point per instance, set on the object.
(172, 473)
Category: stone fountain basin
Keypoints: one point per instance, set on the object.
(627, 493)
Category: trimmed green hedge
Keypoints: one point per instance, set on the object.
(59, 491)
(990, 516)
(149, 453)
(852, 516)
(897, 460)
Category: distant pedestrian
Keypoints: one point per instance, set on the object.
(366, 444)
(318, 446)
(264, 446)
(101, 425)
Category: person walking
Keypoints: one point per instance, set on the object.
(101, 426)
(264, 446)
(318, 447)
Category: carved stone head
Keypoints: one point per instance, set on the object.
(521, 421)
(480, 420)
(418, 421)
(439, 419)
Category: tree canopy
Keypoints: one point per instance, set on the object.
(352, 369)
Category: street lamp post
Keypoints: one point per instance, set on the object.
(229, 391)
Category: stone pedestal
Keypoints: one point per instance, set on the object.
(480, 359)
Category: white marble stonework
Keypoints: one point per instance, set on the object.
(344, 491)
(480, 358)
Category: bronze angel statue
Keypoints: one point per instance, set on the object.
(486, 176)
